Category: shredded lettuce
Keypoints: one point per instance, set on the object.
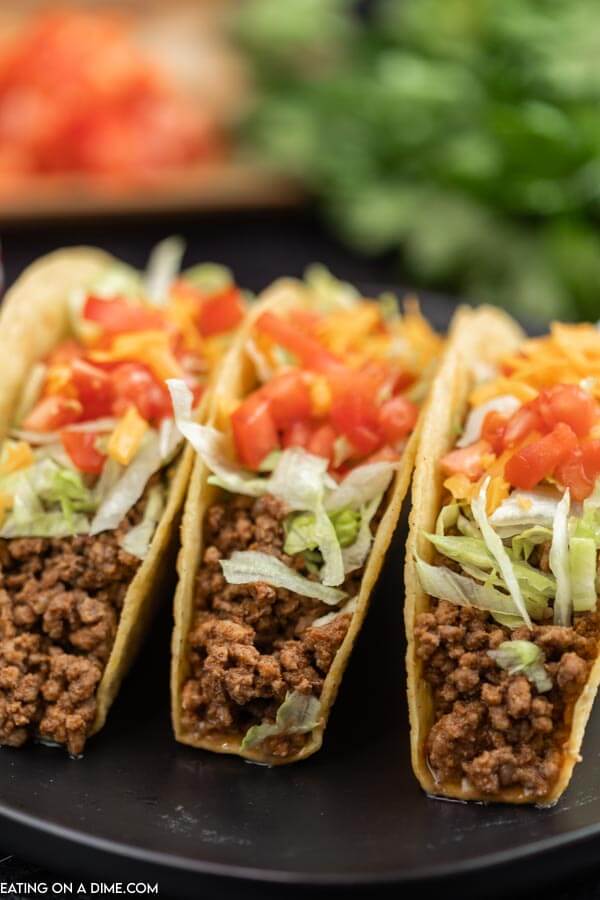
(582, 573)
(300, 480)
(498, 551)
(473, 552)
(301, 533)
(118, 280)
(447, 518)
(127, 489)
(356, 553)
(361, 485)
(524, 509)
(208, 277)
(505, 405)
(162, 269)
(525, 657)
(251, 566)
(444, 584)
(48, 501)
(524, 542)
(298, 714)
(328, 291)
(138, 539)
(559, 562)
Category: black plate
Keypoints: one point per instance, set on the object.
(140, 805)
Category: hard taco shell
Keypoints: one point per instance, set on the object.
(480, 336)
(33, 320)
(236, 379)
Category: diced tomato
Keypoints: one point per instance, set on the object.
(385, 454)
(65, 353)
(254, 431)
(81, 447)
(521, 423)
(52, 413)
(94, 389)
(357, 417)
(493, 428)
(590, 450)
(571, 473)
(354, 410)
(118, 315)
(322, 441)
(397, 418)
(297, 435)
(538, 460)
(567, 403)
(221, 312)
(289, 398)
(309, 351)
(466, 460)
(134, 383)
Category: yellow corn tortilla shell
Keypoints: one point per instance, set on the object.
(484, 335)
(33, 320)
(236, 380)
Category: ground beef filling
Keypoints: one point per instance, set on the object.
(251, 644)
(493, 729)
(60, 600)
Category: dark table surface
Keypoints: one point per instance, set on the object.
(258, 247)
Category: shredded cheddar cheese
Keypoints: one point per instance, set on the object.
(125, 440)
(15, 456)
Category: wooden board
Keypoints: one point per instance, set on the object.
(190, 41)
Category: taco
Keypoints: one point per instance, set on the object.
(293, 500)
(92, 473)
(501, 569)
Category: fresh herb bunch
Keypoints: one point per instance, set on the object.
(464, 132)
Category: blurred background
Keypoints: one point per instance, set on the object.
(447, 144)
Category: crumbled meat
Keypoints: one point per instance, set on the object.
(250, 644)
(490, 727)
(60, 600)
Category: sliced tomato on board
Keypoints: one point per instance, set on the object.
(94, 389)
(81, 447)
(52, 413)
(466, 460)
(118, 315)
(221, 312)
(540, 459)
(567, 403)
(134, 383)
(289, 398)
(254, 431)
(397, 418)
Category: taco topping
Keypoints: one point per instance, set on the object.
(304, 472)
(84, 474)
(513, 627)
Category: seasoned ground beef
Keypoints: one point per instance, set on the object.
(491, 728)
(60, 600)
(250, 644)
